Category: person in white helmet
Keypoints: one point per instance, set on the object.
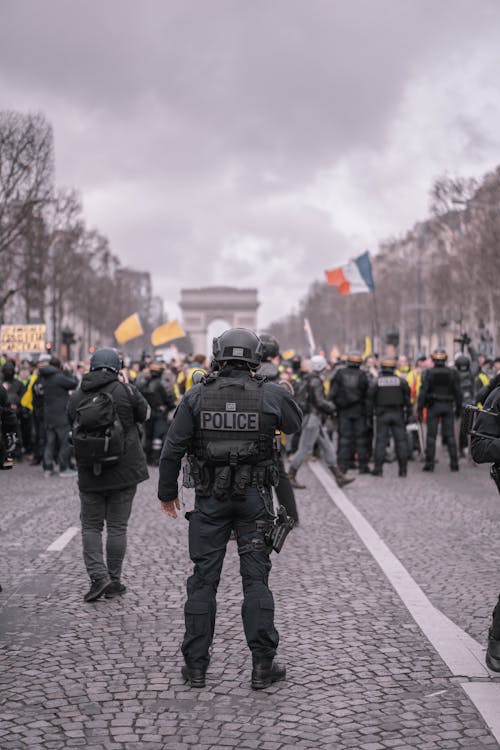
(315, 408)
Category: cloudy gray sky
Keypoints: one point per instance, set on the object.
(255, 143)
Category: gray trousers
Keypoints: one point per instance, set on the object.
(112, 507)
(312, 431)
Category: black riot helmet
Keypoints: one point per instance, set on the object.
(106, 359)
(270, 346)
(354, 359)
(439, 357)
(238, 345)
(462, 363)
(388, 364)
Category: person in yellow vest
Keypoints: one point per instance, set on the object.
(403, 367)
(481, 381)
(198, 366)
(33, 401)
(414, 379)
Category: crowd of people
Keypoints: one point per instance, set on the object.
(239, 420)
(343, 400)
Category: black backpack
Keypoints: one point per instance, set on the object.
(98, 436)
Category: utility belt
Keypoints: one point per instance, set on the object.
(224, 481)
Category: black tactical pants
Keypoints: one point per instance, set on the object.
(441, 410)
(155, 430)
(352, 434)
(391, 422)
(210, 525)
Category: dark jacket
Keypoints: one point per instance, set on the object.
(278, 408)
(389, 392)
(440, 385)
(132, 409)
(317, 403)
(8, 420)
(349, 389)
(485, 446)
(56, 387)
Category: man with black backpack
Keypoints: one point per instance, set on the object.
(105, 413)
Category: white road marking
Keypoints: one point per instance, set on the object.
(61, 541)
(486, 698)
(463, 655)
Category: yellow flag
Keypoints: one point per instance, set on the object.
(129, 329)
(167, 332)
(288, 354)
(368, 347)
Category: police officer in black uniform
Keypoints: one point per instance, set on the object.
(441, 394)
(485, 448)
(227, 425)
(161, 400)
(269, 370)
(390, 397)
(349, 393)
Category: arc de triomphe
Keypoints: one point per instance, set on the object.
(200, 307)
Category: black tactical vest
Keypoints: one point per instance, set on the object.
(230, 429)
(441, 384)
(350, 391)
(389, 391)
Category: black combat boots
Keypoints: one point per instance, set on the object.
(195, 677)
(493, 653)
(265, 672)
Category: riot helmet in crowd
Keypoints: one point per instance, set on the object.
(270, 346)
(439, 357)
(354, 359)
(156, 369)
(462, 363)
(318, 363)
(238, 345)
(388, 364)
(106, 359)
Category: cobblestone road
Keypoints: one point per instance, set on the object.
(360, 672)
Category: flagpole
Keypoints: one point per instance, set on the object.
(376, 335)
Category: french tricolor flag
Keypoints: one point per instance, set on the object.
(356, 276)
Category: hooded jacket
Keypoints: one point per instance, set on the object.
(56, 387)
(132, 410)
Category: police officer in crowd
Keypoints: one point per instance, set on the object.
(316, 408)
(161, 399)
(485, 448)
(107, 491)
(391, 404)
(349, 393)
(441, 395)
(227, 426)
(269, 369)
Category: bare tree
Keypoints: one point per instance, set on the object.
(26, 182)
